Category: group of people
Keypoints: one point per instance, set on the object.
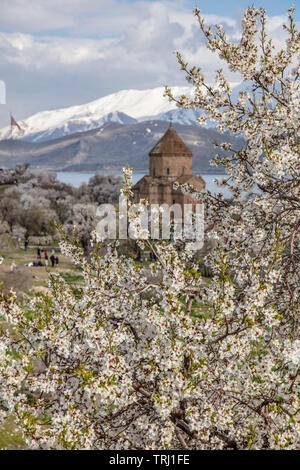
(44, 253)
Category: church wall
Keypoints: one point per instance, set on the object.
(159, 165)
(163, 194)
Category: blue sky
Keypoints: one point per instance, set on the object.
(231, 7)
(64, 52)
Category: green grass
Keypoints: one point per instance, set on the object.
(3, 187)
(201, 310)
(10, 436)
(75, 282)
(72, 278)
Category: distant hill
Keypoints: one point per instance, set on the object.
(111, 146)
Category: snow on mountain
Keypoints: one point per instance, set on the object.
(125, 107)
(71, 126)
(183, 116)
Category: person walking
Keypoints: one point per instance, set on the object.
(46, 258)
(52, 259)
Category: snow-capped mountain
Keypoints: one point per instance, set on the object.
(124, 107)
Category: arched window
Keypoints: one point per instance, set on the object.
(168, 171)
(183, 171)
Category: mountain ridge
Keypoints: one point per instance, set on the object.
(125, 106)
(111, 146)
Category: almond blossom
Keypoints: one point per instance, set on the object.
(179, 362)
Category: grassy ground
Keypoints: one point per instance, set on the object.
(3, 187)
(200, 310)
(10, 436)
(26, 279)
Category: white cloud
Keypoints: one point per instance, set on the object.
(36, 53)
(64, 52)
(41, 15)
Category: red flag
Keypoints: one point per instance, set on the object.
(13, 122)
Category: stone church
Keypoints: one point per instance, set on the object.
(170, 162)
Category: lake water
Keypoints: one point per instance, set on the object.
(75, 179)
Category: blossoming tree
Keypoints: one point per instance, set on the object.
(126, 364)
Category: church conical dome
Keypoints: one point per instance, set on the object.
(170, 144)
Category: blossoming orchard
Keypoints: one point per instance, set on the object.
(126, 364)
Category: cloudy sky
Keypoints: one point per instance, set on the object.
(59, 53)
